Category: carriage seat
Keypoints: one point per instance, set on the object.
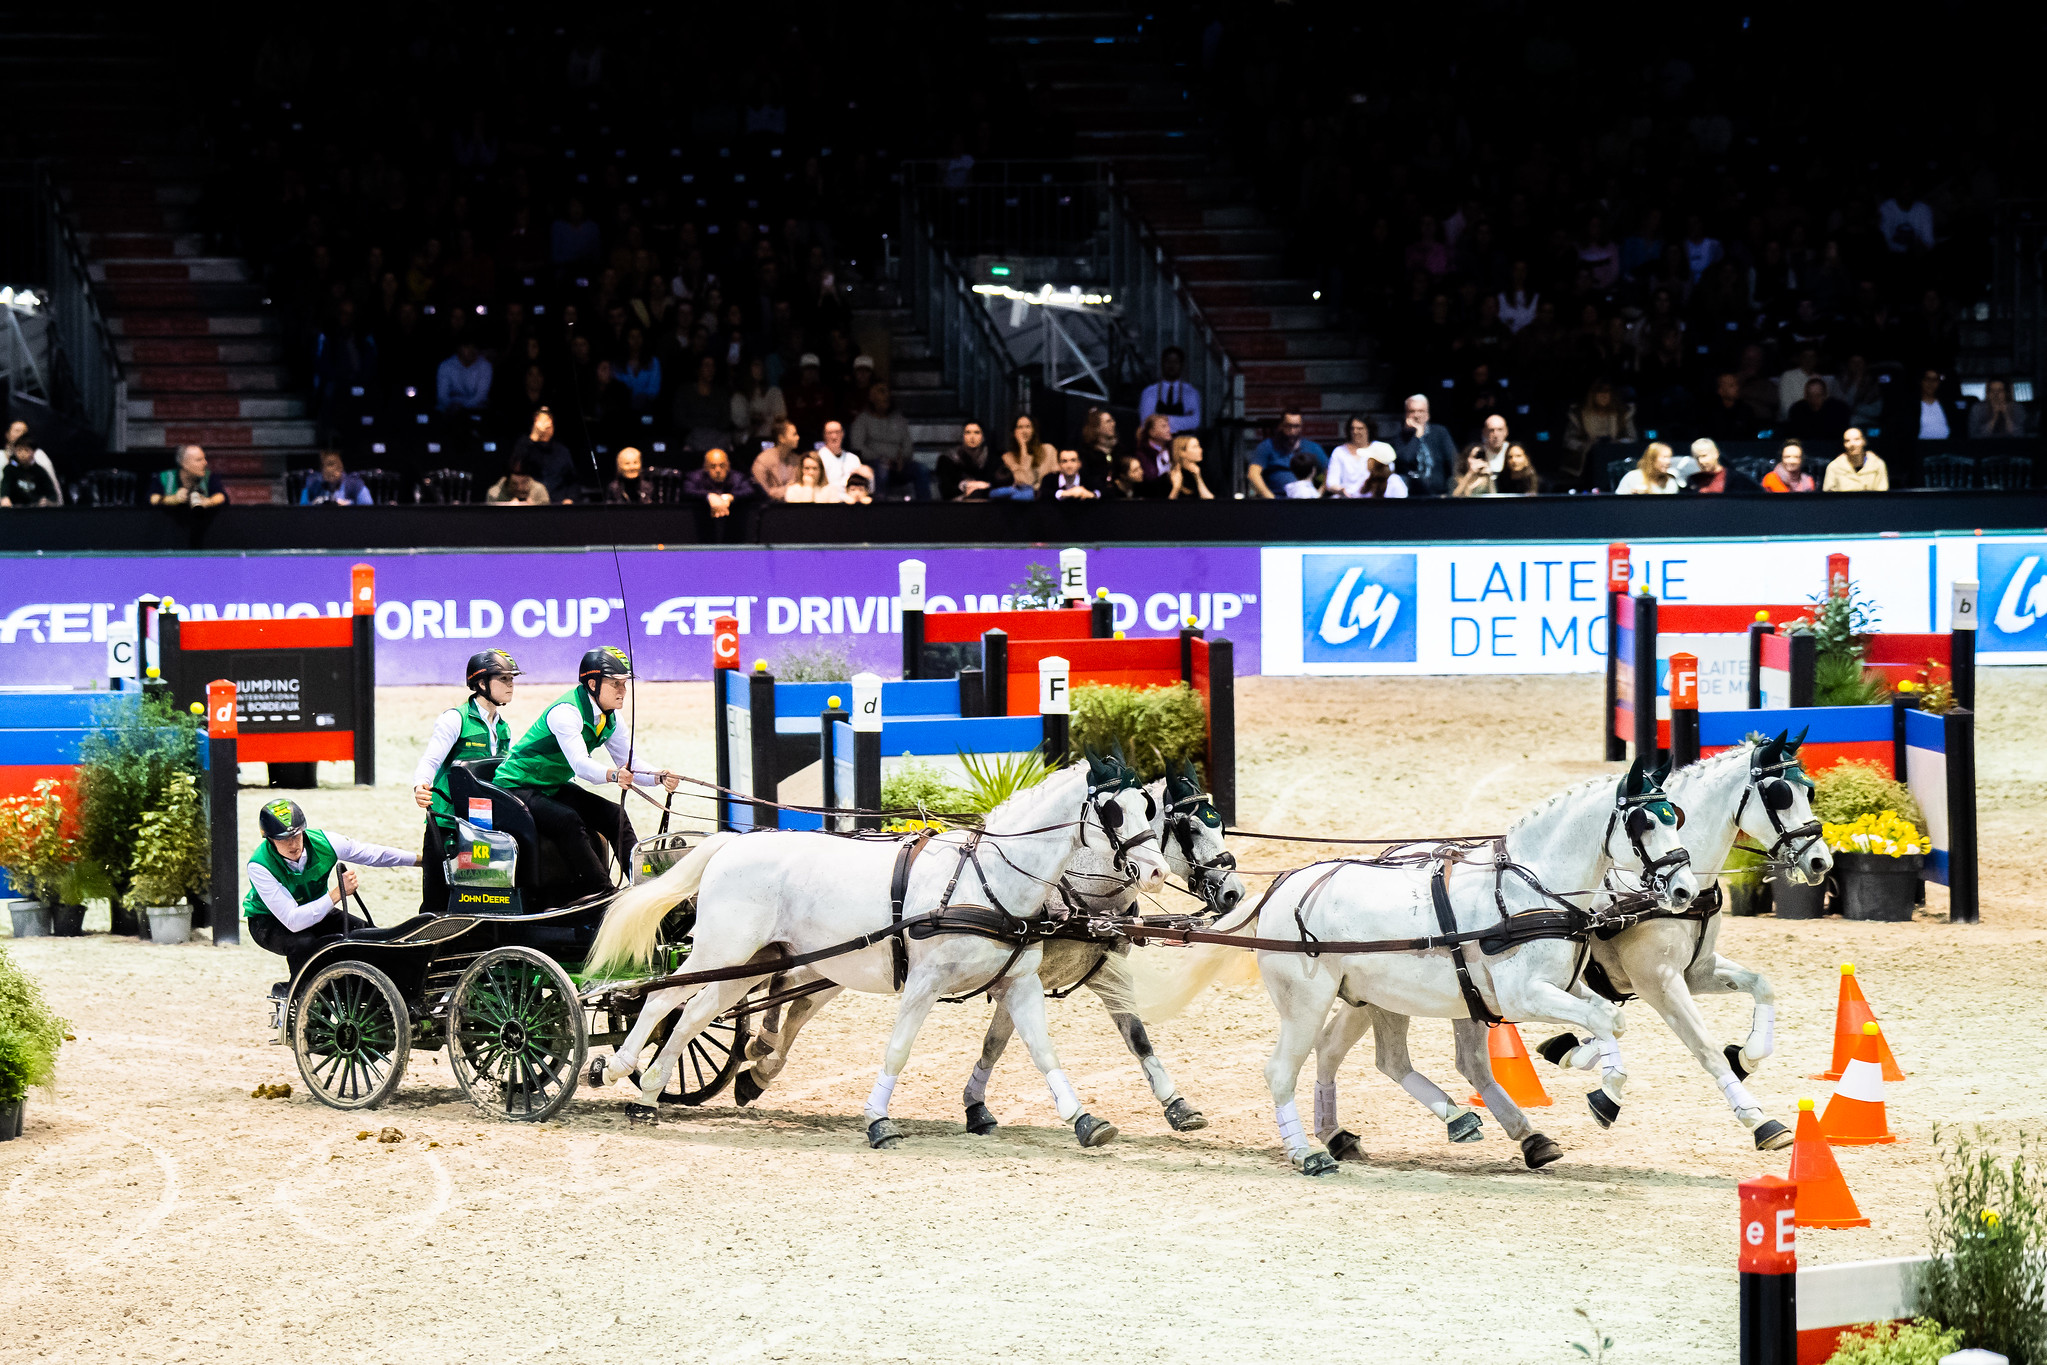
(540, 868)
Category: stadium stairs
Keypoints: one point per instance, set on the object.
(1092, 68)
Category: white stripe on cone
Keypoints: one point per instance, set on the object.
(1861, 1081)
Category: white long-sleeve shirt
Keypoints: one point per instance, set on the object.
(448, 729)
(1181, 400)
(565, 723)
(346, 850)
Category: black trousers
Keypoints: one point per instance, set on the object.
(568, 816)
(297, 945)
(433, 883)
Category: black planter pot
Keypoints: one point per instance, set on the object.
(1746, 896)
(123, 920)
(67, 921)
(1877, 887)
(1795, 900)
(10, 1118)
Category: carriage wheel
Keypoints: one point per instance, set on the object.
(515, 1034)
(706, 1066)
(352, 1035)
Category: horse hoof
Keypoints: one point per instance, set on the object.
(1318, 1163)
(882, 1134)
(1603, 1108)
(1184, 1117)
(637, 1114)
(596, 1076)
(1772, 1136)
(1538, 1151)
(981, 1119)
(1556, 1050)
(1345, 1146)
(1733, 1054)
(1466, 1127)
(1093, 1132)
(745, 1089)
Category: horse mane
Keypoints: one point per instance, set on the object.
(1025, 809)
(1556, 799)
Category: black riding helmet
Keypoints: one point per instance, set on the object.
(282, 818)
(491, 663)
(607, 662)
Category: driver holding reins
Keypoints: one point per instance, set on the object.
(578, 737)
(291, 905)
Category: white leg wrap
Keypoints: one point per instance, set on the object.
(651, 1082)
(1738, 1097)
(1063, 1095)
(1290, 1134)
(1585, 1056)
(878, 1098)
(1325, 1108)
(1762, 1033)
(977, 1085)
(1429, 1094)
(1162, 1088)
(1610, 1056)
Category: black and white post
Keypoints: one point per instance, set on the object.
(867, 748)
(910, 605)
(1055, 707)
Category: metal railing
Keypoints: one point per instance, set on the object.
(963, 338)
(85, 346)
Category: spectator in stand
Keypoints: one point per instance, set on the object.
(548, 459)
(1307, 472)
(1098, 444)
(1067, 482)
(1271, 467)
(702, 413)
(1493, 438)
(1425, 454)
(1126, 481)
(1727, 418)
(1518, 474)
(1758, 391)
(1155, 446)
(1350, 464)
(628, 484)
(1028, 460)
(1518, 303)
(1938, 420)
(1792, 384)
(576, 243)
(1702, 252)
(841, 464)
(1857, 469)
(462, 385)
(335, 486)
(191, 484)
(24, 482)
(1788, 474)
(719, 487)
(640, 371)
(1860, 389)
(344, 361)
(779, 466)
(1477, 479)
(519, 488)
(1184, 480)
(1997, 415)
(1818, 419)
(1600, 419)
(1178, 401)
(810, 402)
(1381, 481)
(854, 387)
(1713, 476)
(969, 469)
(1651, 473)
(882, 436)
(18, 439)
(1905, 221)
(814, 485)
(764, 405)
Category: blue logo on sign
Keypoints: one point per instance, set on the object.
(2013, 598)
(1357, 608)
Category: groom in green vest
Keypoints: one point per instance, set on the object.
(291, 907)
(476, 729)
(578, 737)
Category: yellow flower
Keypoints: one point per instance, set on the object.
(1991, 1222)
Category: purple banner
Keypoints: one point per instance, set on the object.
(547, 607)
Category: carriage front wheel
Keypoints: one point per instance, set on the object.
(352, 1035)
(516, 1037)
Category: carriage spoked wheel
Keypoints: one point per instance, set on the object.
(515, 1034)
(352, 1035)
(706, 1066)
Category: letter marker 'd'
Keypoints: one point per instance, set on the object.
(1769, 1272)
(867, 748)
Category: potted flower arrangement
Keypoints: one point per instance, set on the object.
(125, 764)
(29, 1038)
(1873, 826)
(172, 860)
(38, 853)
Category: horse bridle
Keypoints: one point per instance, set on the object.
(1772, 789)
(1635, 815)
(1102, 801)
(1205, 876)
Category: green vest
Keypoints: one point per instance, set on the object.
(537, 760)
(477, 740)
(300, 886)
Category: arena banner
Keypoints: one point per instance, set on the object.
(546, 607)
(1540, 607)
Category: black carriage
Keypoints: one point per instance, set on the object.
(494, 979)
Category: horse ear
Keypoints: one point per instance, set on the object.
(1631, 785)
(1660, 774)
(1799, 743)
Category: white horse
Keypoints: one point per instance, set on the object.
(1562, 843)
(1188, 828)
(763, 895)
(1754, 789)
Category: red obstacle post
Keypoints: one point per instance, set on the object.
(1769, 1272)
(724, 663)
(1684, 710)
(224, 895)
(1837, 575)
(1617, 574)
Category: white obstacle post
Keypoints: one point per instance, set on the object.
(910, 601)
(867, 748)
(1055, 707)
(1073, 577)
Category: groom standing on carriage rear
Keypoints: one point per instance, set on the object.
(564, 745)
(475, 729)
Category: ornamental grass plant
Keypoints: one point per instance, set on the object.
(1157, 728)
(1988, 1224)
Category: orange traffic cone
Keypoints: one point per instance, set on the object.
(1512, 1069)
(1823, 1197)
(1849, 1016)
(1855, 1116)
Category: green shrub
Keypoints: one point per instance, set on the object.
(1841, 680)
(172, 856)
(30, 1033)
(914, 784)
(815, 663)
(35, 848)
(1038, 592)
(1919, 1342)
(1988, 1225)
(1853, 788)
(1158, 727)
(124, 767)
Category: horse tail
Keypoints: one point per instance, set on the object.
(625, 940)
(1166, 980)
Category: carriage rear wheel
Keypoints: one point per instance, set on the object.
(706, 1066)
(516, 1035)
(352, 1035)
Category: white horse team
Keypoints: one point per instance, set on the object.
(1462, 931)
